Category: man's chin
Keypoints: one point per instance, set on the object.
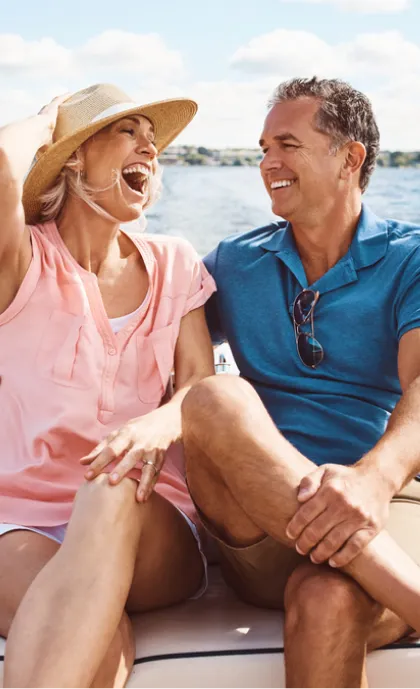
(282, 210)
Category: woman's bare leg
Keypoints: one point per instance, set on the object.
(23, 554)
(87, 582)
(169, 567)
(166, 565)
(245, 475)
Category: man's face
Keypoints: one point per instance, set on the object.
(300, 174)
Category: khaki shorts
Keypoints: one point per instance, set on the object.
(259, 573)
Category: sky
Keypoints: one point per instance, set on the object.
(228, 55)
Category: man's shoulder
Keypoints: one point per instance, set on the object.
(252, 239)
(400, 230)
(403, 240)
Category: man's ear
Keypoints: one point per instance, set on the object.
(355, 156)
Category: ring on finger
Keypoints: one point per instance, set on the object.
(152, 464)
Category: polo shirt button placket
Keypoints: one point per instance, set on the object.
(112, 351)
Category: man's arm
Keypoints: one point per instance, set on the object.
(345, 507)
(397, 454)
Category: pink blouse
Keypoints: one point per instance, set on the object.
(66, 380)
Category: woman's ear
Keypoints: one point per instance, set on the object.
(80, 161)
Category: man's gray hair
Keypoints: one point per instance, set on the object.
(344, 114)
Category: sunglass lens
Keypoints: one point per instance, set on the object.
(304, 302)
(310, 350)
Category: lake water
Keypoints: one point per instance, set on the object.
(206, 204)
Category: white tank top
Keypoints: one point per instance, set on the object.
(119, 323)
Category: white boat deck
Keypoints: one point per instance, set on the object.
(218, 641)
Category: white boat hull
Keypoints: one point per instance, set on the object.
(218, 641)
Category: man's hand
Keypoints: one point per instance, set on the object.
(344, 507)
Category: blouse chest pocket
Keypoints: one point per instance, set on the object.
(155, 354)
(58, 352)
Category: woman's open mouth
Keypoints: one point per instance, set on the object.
(136, 176)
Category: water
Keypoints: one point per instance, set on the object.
(206, 204)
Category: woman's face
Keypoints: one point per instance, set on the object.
(120, 160)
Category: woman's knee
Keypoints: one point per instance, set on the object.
(113, 509)
(105, 498)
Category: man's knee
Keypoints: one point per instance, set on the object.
(319, 596)
(213, 399)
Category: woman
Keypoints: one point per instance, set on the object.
(92, 321)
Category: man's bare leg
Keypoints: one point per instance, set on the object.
(244, 475)
(330, 616)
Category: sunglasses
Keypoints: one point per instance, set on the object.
(309, 349)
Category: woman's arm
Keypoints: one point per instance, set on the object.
(19, 143)
(148, 437)
(193, 361)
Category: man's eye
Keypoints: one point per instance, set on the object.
(289, 146)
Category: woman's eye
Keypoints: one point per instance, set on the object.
(129, 131)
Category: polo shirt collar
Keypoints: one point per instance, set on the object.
(370, 243)
(368, 246)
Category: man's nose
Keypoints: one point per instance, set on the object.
(271, 162)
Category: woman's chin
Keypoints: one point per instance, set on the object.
(128, 213)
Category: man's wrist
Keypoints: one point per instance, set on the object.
(388, 472)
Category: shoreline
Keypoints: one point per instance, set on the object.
(250, 157)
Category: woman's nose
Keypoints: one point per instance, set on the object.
(147, 147)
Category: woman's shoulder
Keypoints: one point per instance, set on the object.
(43, 234)
(168, 249)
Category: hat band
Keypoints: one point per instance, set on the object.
(115, 110)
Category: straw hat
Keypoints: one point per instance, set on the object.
(84, 114)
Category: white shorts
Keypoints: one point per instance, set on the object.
(57, 533)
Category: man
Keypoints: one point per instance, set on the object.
(322, 313)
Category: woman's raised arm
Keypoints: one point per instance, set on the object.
(19, 142)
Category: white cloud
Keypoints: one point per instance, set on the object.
(385, 65)
(362, 6)
(129, 52)
(387, 53)
(231, 109)
(19, 57)
(280, 52)
(286, 52)
(397, 109)
(230, 114)
(145, 55)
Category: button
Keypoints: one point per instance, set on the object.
(112, 351)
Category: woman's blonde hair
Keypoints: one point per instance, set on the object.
(70, 181)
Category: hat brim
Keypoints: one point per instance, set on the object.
(168, 117)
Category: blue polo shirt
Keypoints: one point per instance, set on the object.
(368, 300)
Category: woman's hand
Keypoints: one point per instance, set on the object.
(140, 443)
(50, 113)
(143, 442)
